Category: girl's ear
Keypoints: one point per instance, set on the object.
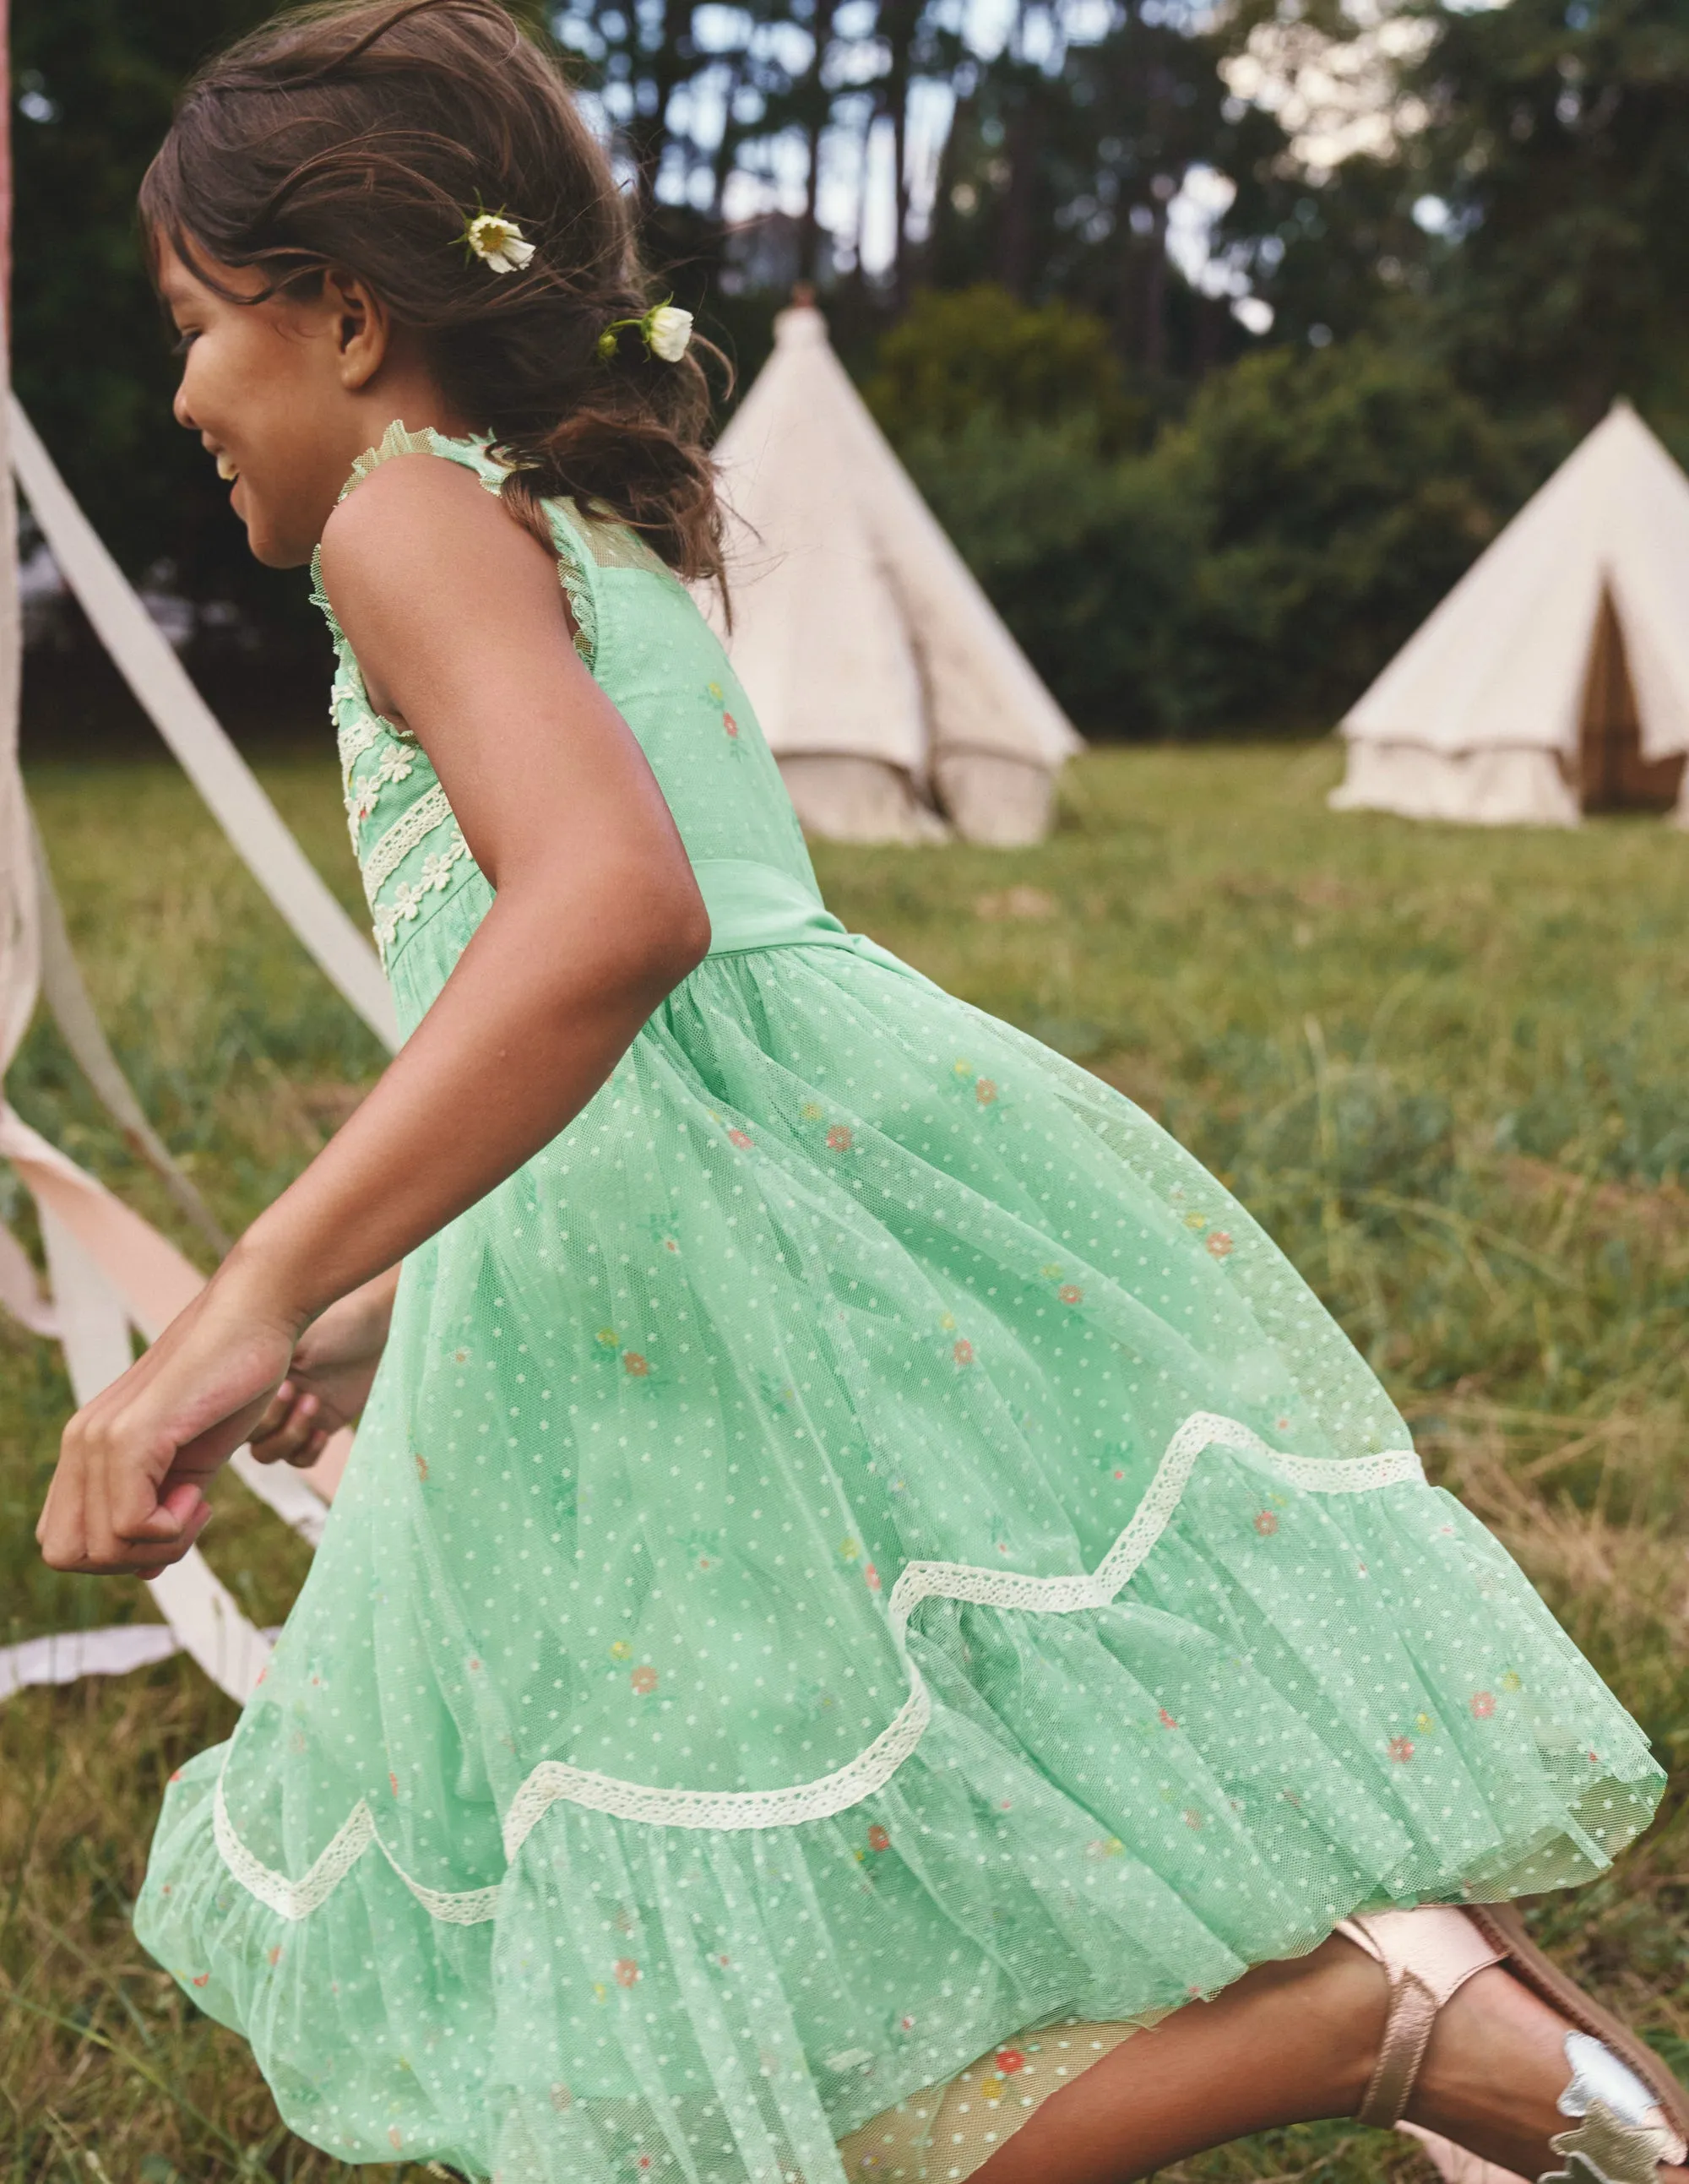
(361, 324)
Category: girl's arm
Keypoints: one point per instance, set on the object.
(457, 618)
(329, 1375)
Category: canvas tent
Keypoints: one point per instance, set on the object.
(1554, 678)
(897, 705)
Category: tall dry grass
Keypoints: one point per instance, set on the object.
(1446, 1068)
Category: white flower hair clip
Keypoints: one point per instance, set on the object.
(664, 330)
(495, 239)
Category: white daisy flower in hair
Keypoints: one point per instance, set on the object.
(665, 330)
(668, 331)
(498, 241)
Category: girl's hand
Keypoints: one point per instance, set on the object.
(328, 1381)
(128, 1493)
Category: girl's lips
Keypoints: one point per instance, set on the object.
(227, 469)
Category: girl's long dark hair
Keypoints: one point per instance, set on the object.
(363, 137)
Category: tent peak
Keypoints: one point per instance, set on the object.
(800, 326)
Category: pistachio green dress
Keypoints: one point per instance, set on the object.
(857, 1550)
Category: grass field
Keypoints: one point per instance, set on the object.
(1448, 1069)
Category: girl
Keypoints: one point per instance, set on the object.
(867, 1580)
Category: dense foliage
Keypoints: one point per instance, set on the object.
(1257, 562)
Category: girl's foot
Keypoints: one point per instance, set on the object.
(1489, 2048)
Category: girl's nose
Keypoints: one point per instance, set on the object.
(181, 412)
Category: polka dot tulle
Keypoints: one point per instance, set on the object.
(515, 1860)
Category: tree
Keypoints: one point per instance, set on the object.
(1559, 144)
(980, 353)
(91, 360)
(1255, 566)
(1341, 492)
(1062, 164)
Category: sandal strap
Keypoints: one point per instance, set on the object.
(1427, 1955)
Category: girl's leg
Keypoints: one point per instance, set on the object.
(1295, 2043)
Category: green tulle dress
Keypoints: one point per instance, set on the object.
(859, 1548)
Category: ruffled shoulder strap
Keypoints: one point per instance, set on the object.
(576, 561)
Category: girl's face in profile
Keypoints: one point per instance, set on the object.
(273, 389)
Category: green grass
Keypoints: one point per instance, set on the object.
(1446, 1068)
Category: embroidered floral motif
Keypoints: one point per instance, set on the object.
(838, 1139)
(1220, 1245)
(1266, 1522)
(983, 1092)
(1401, 1750)
(878, 1838)
(1483, 1705)
(397, 763)
(407, 899)
(627, 1972)
(607, 1346)
(644, 1679)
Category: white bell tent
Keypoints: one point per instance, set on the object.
(1554, 678)
(897, 704)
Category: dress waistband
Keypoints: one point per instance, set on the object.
(754, 905)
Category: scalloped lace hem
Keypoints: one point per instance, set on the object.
(827, 1795)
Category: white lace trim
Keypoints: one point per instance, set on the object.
(298, 1899)
(369, 729)
(872, 1768)
(729, 1810)
(429, 810)
(1064, 1595)
(409, 896)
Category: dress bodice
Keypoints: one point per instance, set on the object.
(653, 655)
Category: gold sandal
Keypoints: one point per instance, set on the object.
(1630, 2113)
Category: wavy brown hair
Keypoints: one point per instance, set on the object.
(364, 135)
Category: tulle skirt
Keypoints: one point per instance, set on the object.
(860, 1551)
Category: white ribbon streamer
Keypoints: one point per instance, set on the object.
(188, 725)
